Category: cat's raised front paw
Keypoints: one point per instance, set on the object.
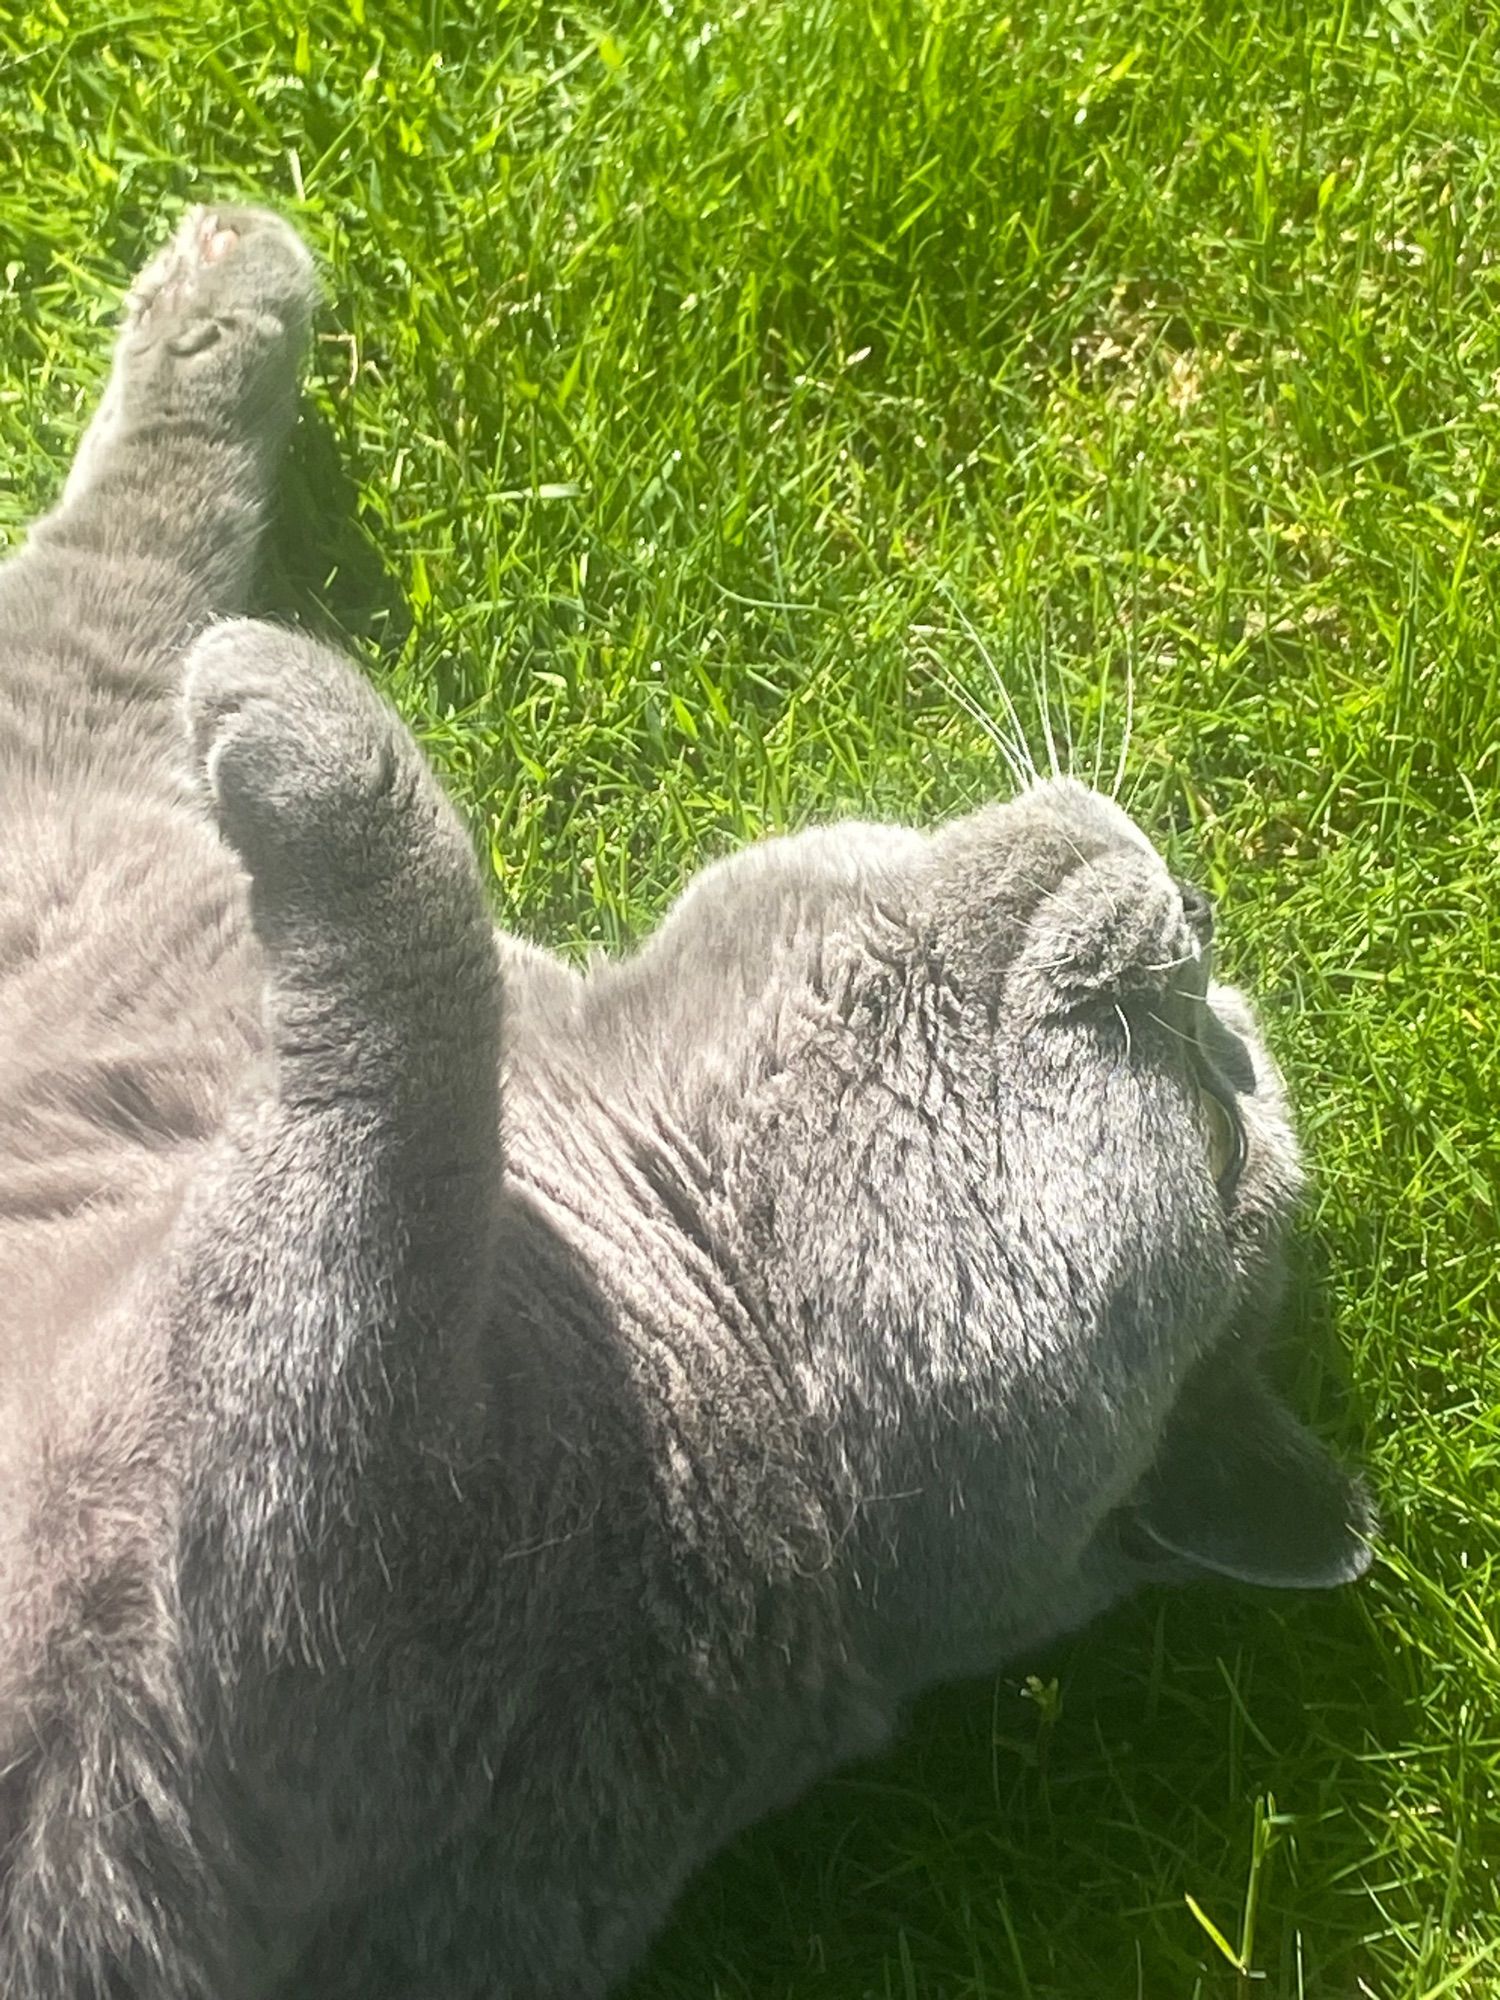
(215, 328)
(224, 265)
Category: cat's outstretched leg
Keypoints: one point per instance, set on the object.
(319, 1304)
(159, 526)
(335, 1266)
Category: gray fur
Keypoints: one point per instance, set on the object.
(413, 1566)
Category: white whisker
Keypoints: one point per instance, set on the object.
(1114, 790)
(1098, 769)
(1171, 964)
(1013, 757)
(1180, 1033)
(1040, 682)
(1125, 1025)
(1001, 689)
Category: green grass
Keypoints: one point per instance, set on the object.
(711, 404)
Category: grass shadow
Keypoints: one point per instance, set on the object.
(323, 567)
(1041, 1835)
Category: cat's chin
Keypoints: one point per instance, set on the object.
(1240, 1488)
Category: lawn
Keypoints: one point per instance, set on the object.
(717, 413)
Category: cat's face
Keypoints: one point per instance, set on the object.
(1015, 1175)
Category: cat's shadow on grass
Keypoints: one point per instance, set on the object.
(323, 569)
(1040, 1835)
(1042, 1839)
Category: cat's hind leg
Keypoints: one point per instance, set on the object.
(159, 526)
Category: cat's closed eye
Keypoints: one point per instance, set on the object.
(1226, 1135)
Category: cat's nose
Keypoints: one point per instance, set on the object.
(1198, 910)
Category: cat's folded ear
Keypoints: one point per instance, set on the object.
(1242, 1489)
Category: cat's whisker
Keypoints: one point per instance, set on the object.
(1171, 964)
(1099, 731)
(1047, 709)
(1120, 1016)
(1015, 715)
(1008, 750)
(1044, 701)
(1125, 740)
(1012, 713)
(1135, 792)
(1170, 1028)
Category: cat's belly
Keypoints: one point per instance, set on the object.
(129, 1007)
(129, 1015)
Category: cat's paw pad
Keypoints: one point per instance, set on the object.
(226, 268)
(166, 284)
(302, 759)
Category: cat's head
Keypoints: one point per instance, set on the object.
(1013, 1175)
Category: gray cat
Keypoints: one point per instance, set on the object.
(473, 1435)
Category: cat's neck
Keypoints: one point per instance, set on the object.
(646, 1358)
